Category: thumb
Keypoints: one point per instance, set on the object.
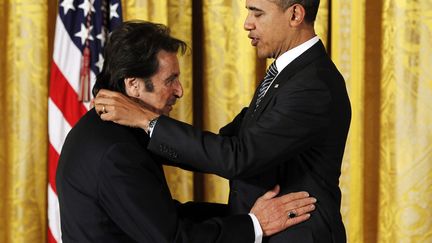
(272, 193)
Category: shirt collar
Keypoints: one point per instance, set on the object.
(283, 60)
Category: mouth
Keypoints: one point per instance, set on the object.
(170, 104)
(254, 40)
(167, 110)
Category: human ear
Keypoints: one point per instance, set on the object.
(298, 14)
(131, 87)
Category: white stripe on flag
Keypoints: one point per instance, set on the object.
(66, 55)
(58, 127)
(54, 215)
(92, 82)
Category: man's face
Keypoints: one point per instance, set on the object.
(166, 83)
(268, 27)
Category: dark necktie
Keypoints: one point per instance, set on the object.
(268, 78)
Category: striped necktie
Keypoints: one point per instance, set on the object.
(268, 78)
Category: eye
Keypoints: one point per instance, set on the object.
(172, 79)
(257, 12)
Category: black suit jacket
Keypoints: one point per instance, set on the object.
(111, 189)
(296, 138)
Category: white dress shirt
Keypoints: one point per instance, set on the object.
(283, 60)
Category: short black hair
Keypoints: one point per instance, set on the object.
(311, 7)
(131, 51)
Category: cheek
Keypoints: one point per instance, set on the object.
(162, 99)
(265, 39)
(152, 99)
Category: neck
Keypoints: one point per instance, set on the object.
(300, 36)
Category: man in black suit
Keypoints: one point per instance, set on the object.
(293, 133)
(111, 189)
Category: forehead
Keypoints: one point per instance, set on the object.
(167, 61)
(259, 2)
(261, 5)
(168, 67)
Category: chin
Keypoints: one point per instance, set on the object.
(263, 54)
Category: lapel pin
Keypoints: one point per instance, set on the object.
(276, 86)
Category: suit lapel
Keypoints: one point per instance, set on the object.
(294, 67)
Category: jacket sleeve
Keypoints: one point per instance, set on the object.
(292, 122)
(133, 191)
(201, 211)
(232, 128)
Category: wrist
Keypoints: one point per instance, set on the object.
(150, 124)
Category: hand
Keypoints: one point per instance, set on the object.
(272, 212)
(118, 108)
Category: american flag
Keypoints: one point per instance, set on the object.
(82, 27)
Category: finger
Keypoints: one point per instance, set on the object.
(106, 93)
(99, 108)
(300, 202)
(103, 100)
(302, 210)
(104, 109)
(292, 221)
(271, 194)
(294, 196)
(106, 116)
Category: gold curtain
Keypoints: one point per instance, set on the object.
(405, 123)
(25, 41)
(383, 50)
(229, 74)
(381, 47)
(347, 51)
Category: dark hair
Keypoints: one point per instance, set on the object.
(131, 51)
(311, 7)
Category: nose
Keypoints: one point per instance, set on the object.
(178, 89)
(248, 24)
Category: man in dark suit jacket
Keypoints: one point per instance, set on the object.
(111, 189)
(293, 133)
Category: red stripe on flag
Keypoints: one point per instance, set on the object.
(53, 158)
(65, 97)
(51, 237)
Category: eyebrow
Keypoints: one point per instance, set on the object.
(252, 8)
(172, 77)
